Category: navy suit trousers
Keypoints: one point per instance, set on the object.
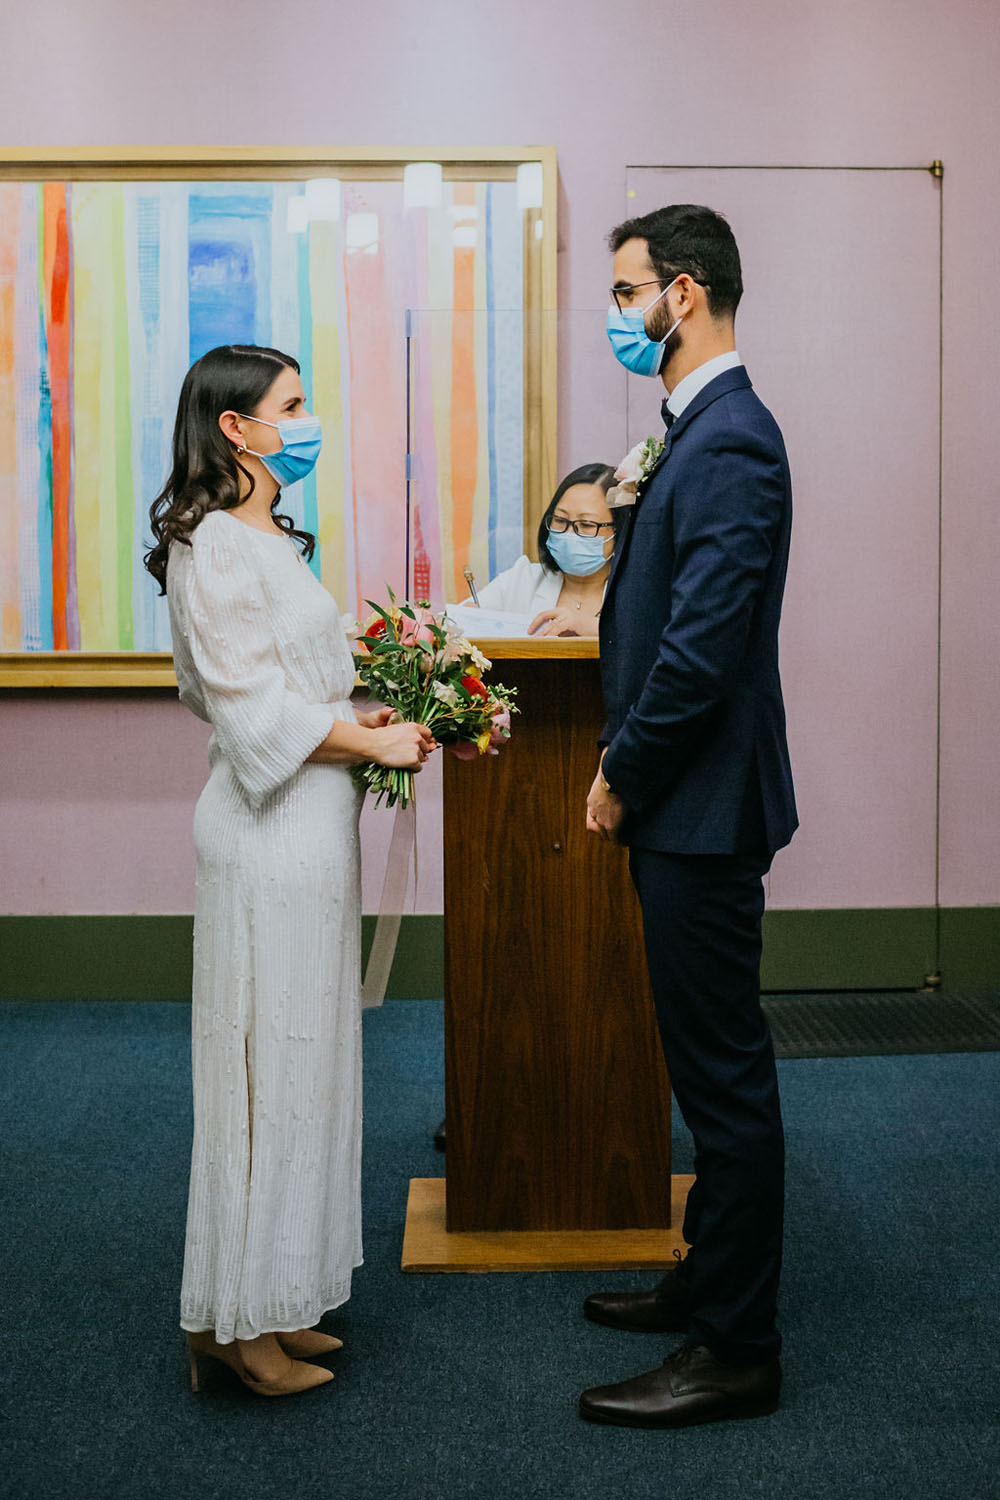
(702, 921)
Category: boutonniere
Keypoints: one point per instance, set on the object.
(636, 466)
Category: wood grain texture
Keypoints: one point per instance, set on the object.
(429, 1246)
(86, 669)
(556, 1092)
(550, 647)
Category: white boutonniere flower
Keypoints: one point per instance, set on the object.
(636, 466)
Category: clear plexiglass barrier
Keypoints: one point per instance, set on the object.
(483, 457)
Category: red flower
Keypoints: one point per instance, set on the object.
(376, 628)
(474, 686)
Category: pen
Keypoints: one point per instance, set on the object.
(470, 579)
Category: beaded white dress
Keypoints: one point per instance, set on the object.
(274, 1212)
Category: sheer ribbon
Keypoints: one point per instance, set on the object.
(402, 851)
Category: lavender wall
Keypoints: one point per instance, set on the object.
(879, 82)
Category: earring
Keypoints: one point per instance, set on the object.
(241, 450)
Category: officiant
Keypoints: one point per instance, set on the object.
(564, 590)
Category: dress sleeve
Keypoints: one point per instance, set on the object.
(263, 728)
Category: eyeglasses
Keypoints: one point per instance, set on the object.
(628, 292)
(559, 524)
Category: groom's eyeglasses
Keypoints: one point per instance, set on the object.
(626, 292)
(559, 524)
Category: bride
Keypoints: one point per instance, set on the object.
(274, 1222)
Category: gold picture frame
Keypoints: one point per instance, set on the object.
(125, 668)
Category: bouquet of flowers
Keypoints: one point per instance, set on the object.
(418, 664)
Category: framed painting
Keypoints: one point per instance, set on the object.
(116, 273)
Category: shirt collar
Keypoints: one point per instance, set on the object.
(685, 390)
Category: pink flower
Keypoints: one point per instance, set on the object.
(413, 631)
(629, 471)
(621, 494)
(628, 474)
(500, 733)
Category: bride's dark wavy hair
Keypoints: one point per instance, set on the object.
(206, 471)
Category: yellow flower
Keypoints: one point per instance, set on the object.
(483, 742)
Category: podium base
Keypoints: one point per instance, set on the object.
(427, 1245)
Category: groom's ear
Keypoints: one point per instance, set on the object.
(684, 293)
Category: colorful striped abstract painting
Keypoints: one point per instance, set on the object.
(403, 320)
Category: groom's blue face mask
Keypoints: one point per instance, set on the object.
(632, 345)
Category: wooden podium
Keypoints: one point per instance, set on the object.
(557, 1101)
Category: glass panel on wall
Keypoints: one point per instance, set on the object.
(483, 465)
(467, 431)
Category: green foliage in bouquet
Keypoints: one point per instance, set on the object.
(420, 665)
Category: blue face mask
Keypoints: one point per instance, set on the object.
(632, 345)
(301, 441)
(578, 555)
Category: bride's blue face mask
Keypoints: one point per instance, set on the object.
(632, 345)
(301, 441)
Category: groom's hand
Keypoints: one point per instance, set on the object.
(605, 811)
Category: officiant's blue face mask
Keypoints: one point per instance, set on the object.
(632, 345)
(301, 441)
(577, 555)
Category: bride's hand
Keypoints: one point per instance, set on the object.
(376, 720)
(403, 747)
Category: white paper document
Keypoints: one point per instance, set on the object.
(487, 623)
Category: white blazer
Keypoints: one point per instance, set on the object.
(525, 588)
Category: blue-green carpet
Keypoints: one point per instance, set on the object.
(460, 1387)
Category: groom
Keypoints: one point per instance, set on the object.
(695, 779)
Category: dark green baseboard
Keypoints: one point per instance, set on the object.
(876, 949)
(887, 948)
(149, 958)
(970, 946)
(95, 958)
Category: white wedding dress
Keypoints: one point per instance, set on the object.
(274, 1213)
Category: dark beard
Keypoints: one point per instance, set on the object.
(657, 323)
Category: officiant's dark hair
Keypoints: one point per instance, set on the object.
(206, 470)
(686, 238)
(602, 474)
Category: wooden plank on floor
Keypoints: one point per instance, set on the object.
(427, 1245)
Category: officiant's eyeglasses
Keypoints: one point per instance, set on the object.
(628, 292)
(559, 524)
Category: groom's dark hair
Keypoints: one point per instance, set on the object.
(686, 238)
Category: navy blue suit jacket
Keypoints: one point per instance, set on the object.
(689, 636)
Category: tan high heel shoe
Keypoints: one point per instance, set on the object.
(299, 1377)
(309, 1343)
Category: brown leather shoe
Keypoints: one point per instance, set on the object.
(690, 1387)
(664, 1309)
